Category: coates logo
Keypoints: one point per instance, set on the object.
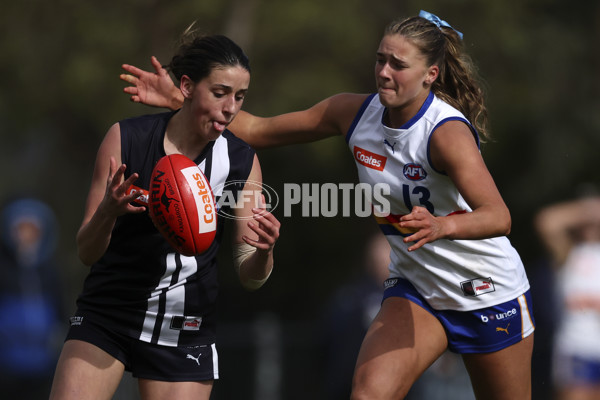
(368, 159)
(414, 172)
(143, 195)
(203, 197)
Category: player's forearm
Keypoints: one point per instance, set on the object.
(256, 268)
(280, 130)
(483, 223)
(93, 238)
(176, 99)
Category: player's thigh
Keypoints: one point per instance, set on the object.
(402, 342)
(578, 393)
(503, 374)
(84, 371)
(159, 390)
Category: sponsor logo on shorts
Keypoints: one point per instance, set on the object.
(499, 316)
(197, 359)
(196, 352)
(76, 320)
(501, 329)
(186, 323)
(477, 286)
(390, 283)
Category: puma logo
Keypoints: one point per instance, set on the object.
(391, 146)
(500, 329)
(191, 357)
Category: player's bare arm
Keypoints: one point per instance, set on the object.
(330, 117)
(107, 199)
(454, 151)
(255, 232)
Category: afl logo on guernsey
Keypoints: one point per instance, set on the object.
(369, 159)
(414, 172)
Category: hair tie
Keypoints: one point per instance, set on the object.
(439, 22)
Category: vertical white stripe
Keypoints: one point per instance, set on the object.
(220, 166)
(189, 266)
(165, 281)
(152, 311)
(175, 302)
(215, 358)
(526, 322)
(174, 306)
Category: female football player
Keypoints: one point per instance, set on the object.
(455, 281)
(144, 307)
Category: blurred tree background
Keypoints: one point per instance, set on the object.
(61, 92)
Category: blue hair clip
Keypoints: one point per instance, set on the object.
(439, 22)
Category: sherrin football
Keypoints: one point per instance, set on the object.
(181, 204)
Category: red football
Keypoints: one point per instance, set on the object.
(181, 204)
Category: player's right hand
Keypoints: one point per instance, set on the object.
(153, 89)
(116, 200)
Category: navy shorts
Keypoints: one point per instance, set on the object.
(572, 370)
(478, 331)
(150, 361)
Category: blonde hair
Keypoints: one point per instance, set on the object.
(458, 83)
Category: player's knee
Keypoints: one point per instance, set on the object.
(365, 387)
(373, 393)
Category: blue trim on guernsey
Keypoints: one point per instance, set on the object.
(358, 116)
(391, 230)
(421, 112)
(473, 130)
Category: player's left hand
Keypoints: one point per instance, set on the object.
(428, 227)
(266, 226)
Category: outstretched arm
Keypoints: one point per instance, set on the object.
(330, 117)
(152, 88)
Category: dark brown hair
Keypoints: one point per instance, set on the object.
(197, 56)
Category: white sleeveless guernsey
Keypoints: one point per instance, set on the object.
(459, 275)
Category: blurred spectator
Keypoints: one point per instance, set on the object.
(30, 300)
(348, 316)
(543, 294)
(446, 379)
(571, 233)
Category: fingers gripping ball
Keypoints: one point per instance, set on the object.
(182, 205)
